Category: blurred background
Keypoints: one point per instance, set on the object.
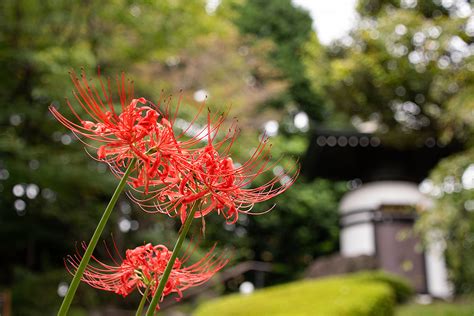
(372, 97)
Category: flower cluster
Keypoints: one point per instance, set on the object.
(143, 267)
(172, 173)
(209, 180)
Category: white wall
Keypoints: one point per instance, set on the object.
(358, 240)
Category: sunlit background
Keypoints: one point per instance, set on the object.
(373, 98)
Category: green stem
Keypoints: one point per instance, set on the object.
(93, 242)
(169, 266)
(142, 301)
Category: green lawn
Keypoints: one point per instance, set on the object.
(458, 308)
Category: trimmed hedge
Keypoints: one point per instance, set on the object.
(401, 288)
(359, 294)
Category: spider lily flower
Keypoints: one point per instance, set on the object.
(222, 187)
(212, 182)
(136, 129)
(143, 267)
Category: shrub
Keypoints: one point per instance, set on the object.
(355, 295)
(401, 288)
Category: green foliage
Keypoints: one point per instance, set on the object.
(374, 7)
(451, 220)
(401, 70)
(348, 295)
(289, 28)
(28, 285)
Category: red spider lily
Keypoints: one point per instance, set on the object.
(143, 267)
(135, 131)
(212, 182)
(168, 153)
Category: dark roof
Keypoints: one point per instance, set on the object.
(340, 155)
